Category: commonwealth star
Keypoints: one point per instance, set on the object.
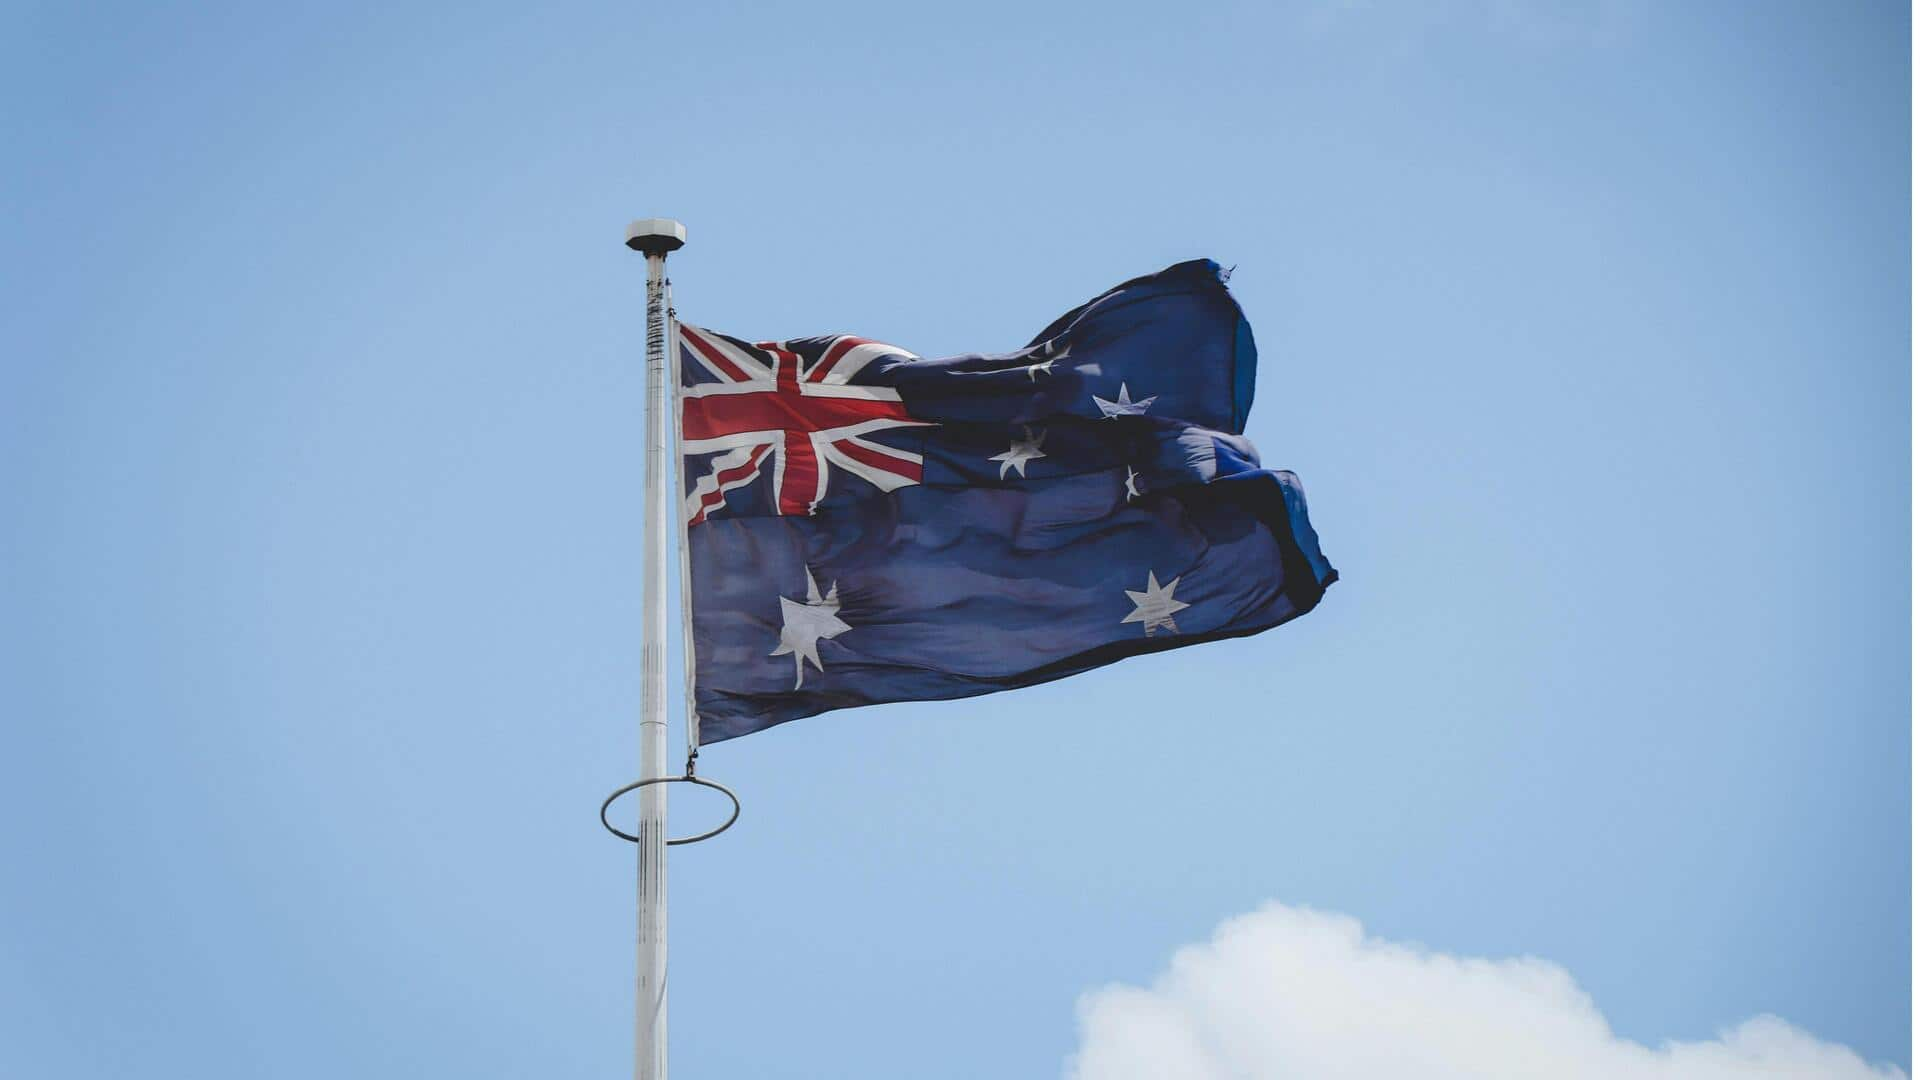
(805, 623)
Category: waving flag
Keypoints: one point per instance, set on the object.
(865, 525)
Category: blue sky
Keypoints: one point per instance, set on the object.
(1586, 327)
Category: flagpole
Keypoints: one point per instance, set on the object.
(654, 238)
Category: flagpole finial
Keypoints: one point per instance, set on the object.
(656, 236)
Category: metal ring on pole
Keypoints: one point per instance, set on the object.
(700, 780)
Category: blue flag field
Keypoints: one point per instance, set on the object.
(864, 525)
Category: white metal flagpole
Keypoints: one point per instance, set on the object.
(655, 238)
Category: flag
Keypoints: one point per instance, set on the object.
(864, 525)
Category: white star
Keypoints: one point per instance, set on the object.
(1155, 607)
(1126, 406)
(1021, 452)
(1132, 491)
(1047, 357)
(804, 624)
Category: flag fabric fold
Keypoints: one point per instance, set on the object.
(865, 525)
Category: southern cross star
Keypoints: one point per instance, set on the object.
(1154, 608)
(1048, 356)
(805, 623)
(1125, 406)
(1021, 452)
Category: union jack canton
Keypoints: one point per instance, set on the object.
(801, 406)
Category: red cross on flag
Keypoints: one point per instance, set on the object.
(767, 402)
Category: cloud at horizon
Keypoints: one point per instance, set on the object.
(1290, 992)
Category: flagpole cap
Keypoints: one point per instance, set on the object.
(656, 236)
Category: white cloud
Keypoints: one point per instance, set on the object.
(1293, 994)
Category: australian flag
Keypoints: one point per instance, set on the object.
(865, 525)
